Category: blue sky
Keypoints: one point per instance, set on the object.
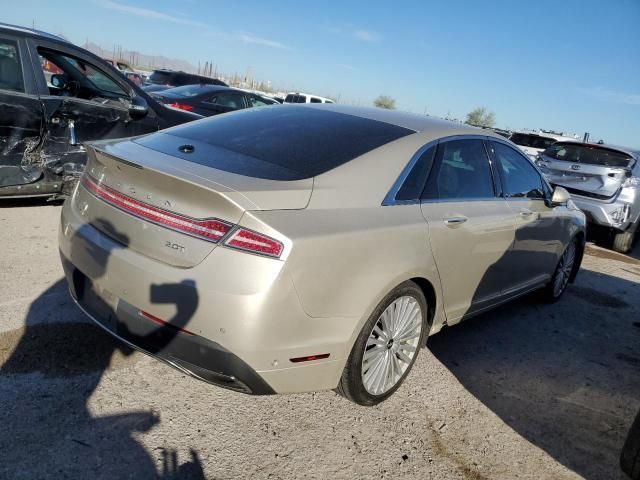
(570, 65)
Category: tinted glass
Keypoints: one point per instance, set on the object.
(315, 100)
(413, 185)
(188, 91)
(574, 152)
(519, 177)
(229, 100)
(256, 101)
(277, 143)
(10, 68)
(161, 78)
(533, 141)
(461, 171)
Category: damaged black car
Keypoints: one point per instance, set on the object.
(54, 96)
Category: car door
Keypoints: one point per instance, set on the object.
(21, 117)
(222, 102)
(541, 229)
(83, 100)
(471, 229)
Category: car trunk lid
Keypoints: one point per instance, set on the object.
(136, 184)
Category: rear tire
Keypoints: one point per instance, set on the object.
(387, 347)
(562, 274)
(630, 457)
(623, 242)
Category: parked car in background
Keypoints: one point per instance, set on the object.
(119, 65)
(135, 78)
(208, 100)
(305, 98)
(55, 96)
(532, 143)
(173, 78)
(310, 247)
(604, 182)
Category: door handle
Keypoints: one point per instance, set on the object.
(453, 221)
(526, 213)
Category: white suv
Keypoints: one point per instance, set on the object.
(533, 143)
(296, 97)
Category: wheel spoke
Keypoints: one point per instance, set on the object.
(391, 345)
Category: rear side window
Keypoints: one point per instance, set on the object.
(461, 171)
(315, 100)
(520, 179)
(163, 78)
(413, 185)
(10, 67)
(290, 143)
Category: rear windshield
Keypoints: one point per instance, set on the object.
(589, 154)
(295, 98)
(533, 141)
(276, 143)
(163, 78)
(188, 91)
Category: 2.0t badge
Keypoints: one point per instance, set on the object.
(174, 246)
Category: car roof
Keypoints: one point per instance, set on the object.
(627, 150)
(412, 121)
(30, 31)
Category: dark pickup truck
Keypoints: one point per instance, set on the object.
(54, 96)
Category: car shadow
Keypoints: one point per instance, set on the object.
(564, 376)
(51, 367)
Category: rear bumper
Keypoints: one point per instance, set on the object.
(616, 213)
(189, 353)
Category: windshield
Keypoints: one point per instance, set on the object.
(277, 143)
(533, 141)
(589, 154)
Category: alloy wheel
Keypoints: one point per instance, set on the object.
(565, 266)
(392, 345)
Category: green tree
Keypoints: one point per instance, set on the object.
(481, 117)
(385, 101)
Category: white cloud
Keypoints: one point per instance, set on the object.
(147, 13)
(361, 34)
(249, 38)
(351, 68)
(611, 95)
(366, 35)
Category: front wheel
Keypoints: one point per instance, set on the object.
(387, 346)
(558, 284)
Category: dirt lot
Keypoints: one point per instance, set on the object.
(527, 391)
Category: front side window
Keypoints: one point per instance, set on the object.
(10, 68)
(461, 171)
(69, 76)
(520, 179)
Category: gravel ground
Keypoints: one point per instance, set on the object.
(526, 391)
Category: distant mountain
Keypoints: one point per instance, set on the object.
(140, 60)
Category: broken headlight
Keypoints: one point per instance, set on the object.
(631, 182)
(620, 215)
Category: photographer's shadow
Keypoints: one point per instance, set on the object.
(48, 378)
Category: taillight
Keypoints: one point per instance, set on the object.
(209, 229)
(180, 106)
(251, 241)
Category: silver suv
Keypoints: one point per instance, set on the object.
(604, 182)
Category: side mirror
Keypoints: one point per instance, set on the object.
(560, 197)
(138, 108)
(58, 80)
